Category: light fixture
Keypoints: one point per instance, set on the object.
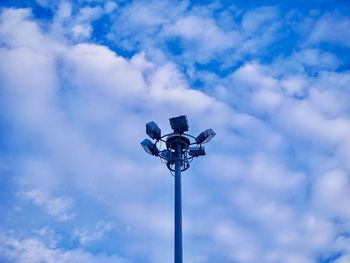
(150, 147)
(196, 151)
(165, 154)
(205, 136)
(179, 124)
(177, 150)
(153, 130)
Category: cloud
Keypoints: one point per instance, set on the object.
(33, 249)
(313, 124)
(138, 22)
(192, 34)
(310, 61)
(79, 105)
(273, 187)
(57, 206)
(73, 21)
(10, 18)
(331, 191)
(259, 28)
(254, 20)
(85, 236)
(203, 34)
(333, 29)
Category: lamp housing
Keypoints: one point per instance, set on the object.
(205, 136)
(196, 151)
(165, 154)
(150, 147)
(179, 124)
(153, 130)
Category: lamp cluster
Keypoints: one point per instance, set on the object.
(190, 146)
(180, 149)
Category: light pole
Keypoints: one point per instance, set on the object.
(178, 152)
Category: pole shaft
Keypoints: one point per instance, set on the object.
(178, 208)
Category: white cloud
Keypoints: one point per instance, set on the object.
(110, 6)
(64, 10)
(32, 250)
(59, 207)
(294, 85)
(331, 192)
(307, 61)
(87, 14)
(10, 19)
(138, 23)
(259, 29)
(317, 111)
(332, 28)
(202, 33)
(255, 76)
(255, 19)
(74, 22)
(84, 107)
(312, 124)
(44, 3)
(87, 110)
(81, 31)
(240, 242)
(97, 67)
(85, 236)
(196, 31)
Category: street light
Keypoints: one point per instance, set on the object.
(196, 151)
(153, 130)
(150, 147)
(179, 124)
(180, 149)
(205, 136)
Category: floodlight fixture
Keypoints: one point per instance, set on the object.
(177, 150)
(179, 124)
(165, 154)
(153, 130)
(150, 147)
(205, 136)
(196, 151)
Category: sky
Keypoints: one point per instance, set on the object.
(80, 79)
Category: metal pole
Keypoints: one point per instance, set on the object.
(178, 209)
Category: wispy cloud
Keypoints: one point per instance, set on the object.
(33, 250)
(333, 29)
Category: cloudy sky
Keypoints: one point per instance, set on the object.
(79, 80)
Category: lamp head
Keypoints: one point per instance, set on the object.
(165, 154)
(179, 124)
(150, 147)
(205, 136)
(196, 151)
(153, 130)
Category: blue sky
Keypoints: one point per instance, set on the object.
(78, 82)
